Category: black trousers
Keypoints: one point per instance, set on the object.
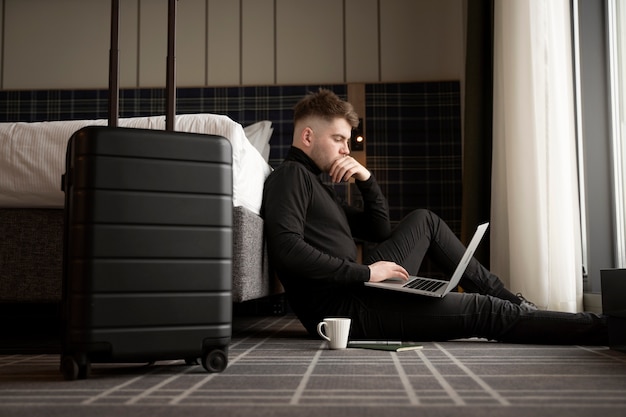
(480, 311)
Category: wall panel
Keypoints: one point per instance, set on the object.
(362, 53)
(1, 43)
(309, 41)
(129, 43)
(63, 43)
(421, 40)
(191, 43)
(224, 44)
(258, 52)
(152, 42)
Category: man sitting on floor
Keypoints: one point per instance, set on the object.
(310, 236)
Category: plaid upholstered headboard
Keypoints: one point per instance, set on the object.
(413, 129)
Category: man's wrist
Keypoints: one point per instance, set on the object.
(365, 176)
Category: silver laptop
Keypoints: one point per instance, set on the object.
(430, 286)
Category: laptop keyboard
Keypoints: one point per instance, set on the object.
(426, 284)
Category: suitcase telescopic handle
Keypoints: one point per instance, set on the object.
(114, 67)
(170, 82)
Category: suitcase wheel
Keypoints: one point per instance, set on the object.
(72, 369)
(215, 360)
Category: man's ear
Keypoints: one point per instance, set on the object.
(306, 136)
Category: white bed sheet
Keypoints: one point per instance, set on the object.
(32, 158)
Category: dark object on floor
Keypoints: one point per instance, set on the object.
(614, 305)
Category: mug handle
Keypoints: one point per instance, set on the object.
(320, 326)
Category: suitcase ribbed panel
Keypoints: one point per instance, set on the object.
(106, 172)
(185, 147)
(151, 241)
(118, 310)
(132, 207)
(129, 344)
(151, 275)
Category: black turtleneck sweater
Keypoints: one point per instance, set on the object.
(310, 233)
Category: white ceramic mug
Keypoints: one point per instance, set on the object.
(337, 330)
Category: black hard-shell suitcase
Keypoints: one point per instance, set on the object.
(147, 248)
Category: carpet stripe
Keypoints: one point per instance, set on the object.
(410, 391)
(116, 388)
(456, 398)
(155, 388)
(493, 393)
(194, 388)
(295, 400)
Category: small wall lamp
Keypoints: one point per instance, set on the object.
(357, 141)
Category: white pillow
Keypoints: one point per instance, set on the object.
(259, 135)
(32, 157)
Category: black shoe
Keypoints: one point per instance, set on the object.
(525, 304)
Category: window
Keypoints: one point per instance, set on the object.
(617, 81)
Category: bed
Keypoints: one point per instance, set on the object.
(413, 147)
(32, 160)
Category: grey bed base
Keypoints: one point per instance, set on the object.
(31, 256)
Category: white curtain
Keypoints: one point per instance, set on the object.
(535, 224)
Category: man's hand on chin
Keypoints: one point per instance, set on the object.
(347, 167)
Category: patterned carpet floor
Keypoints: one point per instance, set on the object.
(276, 369)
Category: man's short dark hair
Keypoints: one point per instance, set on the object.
(327, 105)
